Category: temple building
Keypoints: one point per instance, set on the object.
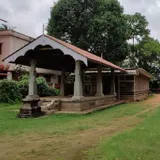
(48, 52)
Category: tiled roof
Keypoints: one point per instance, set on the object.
(86, 54)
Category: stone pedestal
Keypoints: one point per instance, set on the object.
(30, 108)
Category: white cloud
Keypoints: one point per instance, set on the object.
(148, 8)
(28, 16)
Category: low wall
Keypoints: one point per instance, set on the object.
(137, 96)
(141, 95)
(86, 103)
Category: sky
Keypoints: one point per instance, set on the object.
(28, 16)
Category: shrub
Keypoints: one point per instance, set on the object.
(23, 87)
(9, 91)
(57, 91)
(13, 91)
(42, 87)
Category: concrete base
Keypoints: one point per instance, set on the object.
(30, 108)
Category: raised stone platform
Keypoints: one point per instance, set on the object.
(69, 105)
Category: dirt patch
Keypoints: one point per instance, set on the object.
(68, 147)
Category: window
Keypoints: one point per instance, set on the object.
(0, 48)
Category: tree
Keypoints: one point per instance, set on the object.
(147, 56)
(3, 27)
(98, 26)
(137, 25)
(137, 30)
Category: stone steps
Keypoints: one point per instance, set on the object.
(45, 107)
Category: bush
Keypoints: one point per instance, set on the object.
(23, 87)
(12, 91)
(9, 91)
(42, 87)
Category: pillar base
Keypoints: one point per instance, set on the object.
(99, 95)
(115, 94)
(30, 108)
(77, 98)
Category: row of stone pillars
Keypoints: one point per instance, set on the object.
(30, 106)
(78, 86)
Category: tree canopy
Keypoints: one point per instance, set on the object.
(101, 27)
(147, 56)
(98, 26)
(137, 26)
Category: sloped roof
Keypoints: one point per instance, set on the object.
(66, 47)
(88, 55)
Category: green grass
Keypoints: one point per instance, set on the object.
(61, 124)
(142, 143)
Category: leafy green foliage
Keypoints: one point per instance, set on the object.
(23, 85)
(9, 91)
(98, 26)
(137, 26)
(13, 91)
(146, 56)
(42, 87)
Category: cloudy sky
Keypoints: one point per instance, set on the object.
(29, 15)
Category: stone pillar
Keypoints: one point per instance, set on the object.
(83, 81)
(113, 87)
(32, 91)
(30, 107)
(62, 85)
(78, 89)
(9, 76)
(99, 82)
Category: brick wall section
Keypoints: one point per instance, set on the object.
(141, 87)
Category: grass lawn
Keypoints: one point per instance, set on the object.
(108, 134)
(61, 124)
(142, 143)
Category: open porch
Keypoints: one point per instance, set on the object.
(50, 105)
(50, 53)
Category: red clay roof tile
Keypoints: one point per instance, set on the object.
(86, 54)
